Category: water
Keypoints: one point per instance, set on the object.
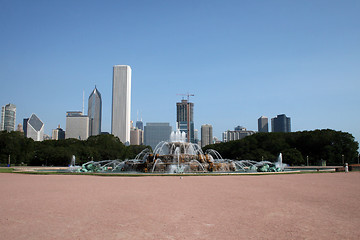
(178, 156)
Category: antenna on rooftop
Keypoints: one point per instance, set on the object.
(186, 94)
(83, 102)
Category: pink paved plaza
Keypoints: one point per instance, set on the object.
(295, 206)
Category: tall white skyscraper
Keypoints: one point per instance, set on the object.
(121, 103)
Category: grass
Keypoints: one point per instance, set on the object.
(6, 170)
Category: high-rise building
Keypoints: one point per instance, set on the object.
(121, 103)
(185, 119)
(196, 136)
(240, 128)
(239, 133)
(58, 133)
(77, 125)
(155, 133)
(281, 123)
(94, 112)
(20, 128)
(263, 124)
(46, 137)
(206, 135)
(8, 117)
(136, 136)
(216, 140)
(35, 128)
(25, 121)
(140, 124)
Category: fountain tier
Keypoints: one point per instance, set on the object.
(178, 156)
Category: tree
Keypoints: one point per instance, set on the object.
(325, 144)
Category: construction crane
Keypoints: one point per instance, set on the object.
(186, 94)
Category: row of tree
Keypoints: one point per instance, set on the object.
(24, 150)
(297, 148)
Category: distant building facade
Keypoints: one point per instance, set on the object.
(20, 128)
(136, 136)
(77, 125)
(140, 125)
(155, 133)
(46, 137)
(263, 124)
(196, 136)
(239, 133)
(121, 103)
(58, 133)
(94, 112)
(281, 123)
(206, 135)
(216, 140)
(35, 128)
(25, 121)
(185, 119)
(8, 117)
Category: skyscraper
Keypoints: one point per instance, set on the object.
(239, 133)
(35, 128)
(263, 124)
(58, 133)
(94, 112)
(140, 124)
(8, 117)
(121, 103)
(185, 119)
(20, 128)
(136, 136)
(281, 123)
(77, 125)
(25, 121)
(206, 135)
(196, 136)
(156, 132)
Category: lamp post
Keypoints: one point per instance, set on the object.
(342, 158)
(307, 160)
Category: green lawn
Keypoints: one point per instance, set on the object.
(6, 170)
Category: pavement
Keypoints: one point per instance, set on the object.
(284, 206)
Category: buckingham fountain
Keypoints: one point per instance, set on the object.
(178, 156)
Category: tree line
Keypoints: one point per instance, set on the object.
(297, 148)
(26, 151)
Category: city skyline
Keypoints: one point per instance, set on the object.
(242, 60)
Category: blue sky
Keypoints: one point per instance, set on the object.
(241, 59)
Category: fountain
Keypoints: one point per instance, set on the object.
(72, 166)
(179, 156)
